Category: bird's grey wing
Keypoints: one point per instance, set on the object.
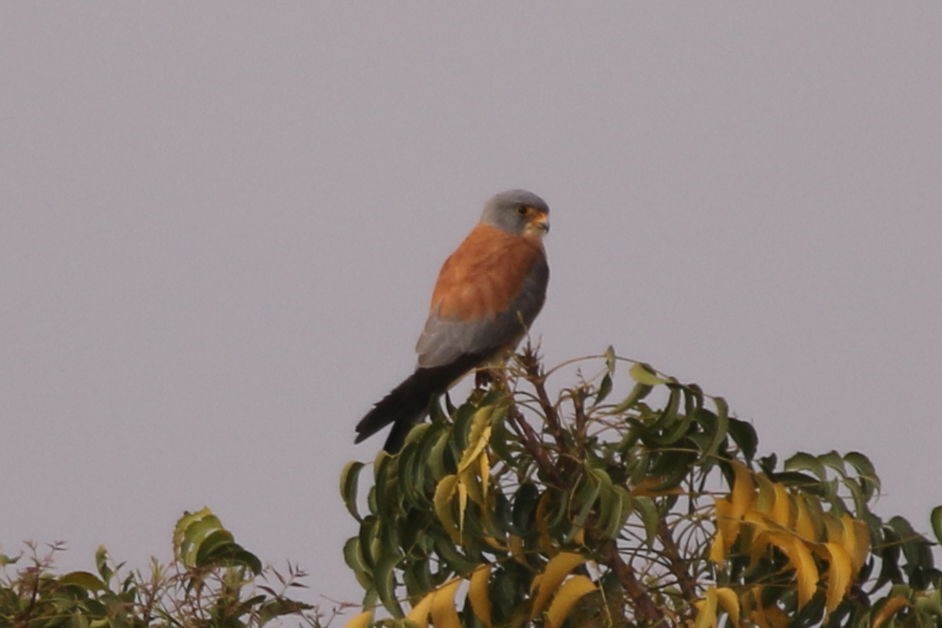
(444, 341)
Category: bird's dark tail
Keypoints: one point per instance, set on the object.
(408, 402)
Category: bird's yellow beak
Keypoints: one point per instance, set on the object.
(540, 223)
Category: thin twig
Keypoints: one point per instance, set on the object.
(536, 448)
(531, 367)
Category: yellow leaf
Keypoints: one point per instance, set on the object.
(835, 531)
(578, 536)
(855, 539)
(706, 610)
(479, 595)
(730, 512)
(484, 464)
(806, 572)
(781, 511)
(766, 498)
(462, 504)
(759, 526)
(479, 435)
(892, 606)
(804, 525)
(472, 485)
(419, 612)
(363, 620)
(566, 598)
(718, 548)
(442, 502)
(839, 574)
(770, 617)
(443, 610)
(759, 615)
(727, 525)
(556, 570)
(730, 603)
(744, 490)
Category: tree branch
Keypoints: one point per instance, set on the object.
(645, 608)
(679, 566)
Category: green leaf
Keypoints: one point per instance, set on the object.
(857, 493)
(614, 505)
(693, 398)
(668, 415)
(101, 563)
(610, 359)
(368, 534)
(502, 441)
(353, 556)
(744, 434)
(444, 505)
(386, 478)
(804, 481)
(672, 466)
(525, 502)
(83, 579)
(412, 468)
(452, 557)
(930, 603)
(889, 552)
(436, 457)
(835, 461)
(583, 497)
(721, 427)
(605, 387)
(416, 433)
(639, 392)
(499, 523)
(280, 607)
(558, 510)
(234, 555)
(674, 432)
(803, 461)
(936, 519)
(213, 542)
(915, 546)
(384, 581)
(194, 529)
(647, 511)
(417, 577)
(463, 418)
(865, 471)
(349, 478)
(645, 374)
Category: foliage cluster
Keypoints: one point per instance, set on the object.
(516, 508)
(213, 581)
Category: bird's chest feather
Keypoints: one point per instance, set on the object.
(486, 274)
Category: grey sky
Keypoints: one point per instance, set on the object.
(220, 224)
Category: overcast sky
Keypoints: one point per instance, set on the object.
(220, 223)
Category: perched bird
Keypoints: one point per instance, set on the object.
(487, 294)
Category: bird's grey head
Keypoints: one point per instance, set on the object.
(517, 211)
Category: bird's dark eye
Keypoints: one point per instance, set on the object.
(522, 210)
